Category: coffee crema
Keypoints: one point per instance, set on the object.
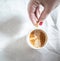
(38, 38)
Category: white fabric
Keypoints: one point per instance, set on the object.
(14, 27)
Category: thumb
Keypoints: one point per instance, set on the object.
(44, 14)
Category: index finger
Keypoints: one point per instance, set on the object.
(31, 10)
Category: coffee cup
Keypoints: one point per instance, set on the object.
(37, 39)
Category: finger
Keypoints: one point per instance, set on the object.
(44, 14)
(31, 10)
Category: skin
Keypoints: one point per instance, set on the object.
(33, 9)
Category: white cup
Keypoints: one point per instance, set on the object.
(29, 43)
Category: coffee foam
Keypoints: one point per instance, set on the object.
(38, 38)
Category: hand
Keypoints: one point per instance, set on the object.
(33, 9)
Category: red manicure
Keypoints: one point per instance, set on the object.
(40, 23)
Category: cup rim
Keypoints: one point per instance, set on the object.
(28, 42)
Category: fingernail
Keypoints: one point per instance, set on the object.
(40, 23)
